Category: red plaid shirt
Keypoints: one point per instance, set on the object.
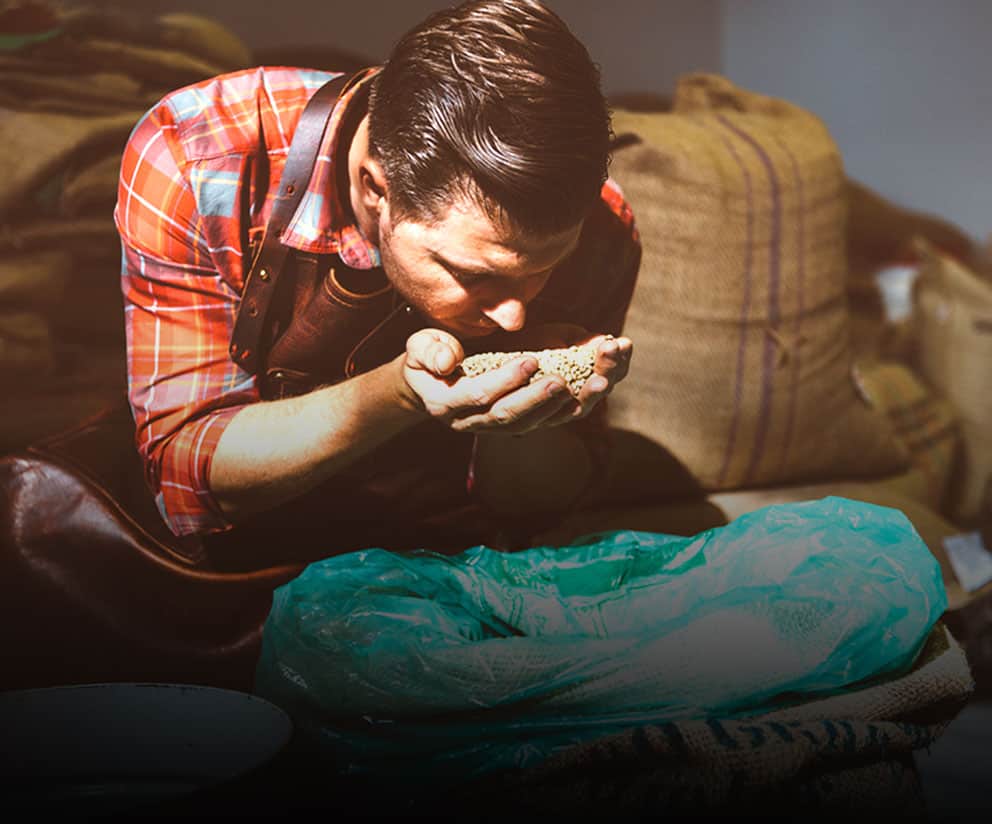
(198, 177)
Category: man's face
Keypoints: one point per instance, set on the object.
(467, 275)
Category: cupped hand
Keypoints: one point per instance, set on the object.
(612, 362)
(503, 400)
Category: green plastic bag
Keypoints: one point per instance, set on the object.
(490, 660)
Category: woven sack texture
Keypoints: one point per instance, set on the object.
(881, 232)
(850, 750)
(925, 423)
(34, 279)
(953, 308)
(69, 98)
(25, 345)
(741, 301)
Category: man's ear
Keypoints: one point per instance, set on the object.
(372, 185)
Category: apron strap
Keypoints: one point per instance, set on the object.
(260, 285)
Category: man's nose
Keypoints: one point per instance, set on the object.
(510, 314)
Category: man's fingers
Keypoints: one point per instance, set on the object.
(482, 391)
(504, 399)
(435, 351)
(613, 358)
(592, 392)
(519, 411)
(612, 363)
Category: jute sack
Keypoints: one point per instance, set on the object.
(89, 239)
(880, 233)
(91, 189)
(843, 751)
(34, 279)
(924, 422)
(953, 306)
(740, 314)
(39, 146)
(26, 347)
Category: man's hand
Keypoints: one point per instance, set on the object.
(503, 400)
(612, 361)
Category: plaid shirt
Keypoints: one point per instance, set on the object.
(198, 178)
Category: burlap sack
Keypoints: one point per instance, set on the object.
(90, 239)
(162, 67)
(24, 88)
(846, 751)
(26, 347)
(92, 188)
(91, 377)
(38, 146)
(880, 234)
(184, 33)
(953, 306)
(207, 39)
(34, 279)
(852, 750)
(740, 323)
(923, 421)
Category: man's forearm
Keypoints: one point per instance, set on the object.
(273, 451)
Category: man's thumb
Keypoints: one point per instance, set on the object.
(434, 350)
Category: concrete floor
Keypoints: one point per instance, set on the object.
(957, 772)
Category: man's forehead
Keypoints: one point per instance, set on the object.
(470, 240)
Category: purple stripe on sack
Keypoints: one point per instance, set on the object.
(796, 353)
(774, 313)
(745, 310)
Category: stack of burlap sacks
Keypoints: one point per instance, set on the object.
(849, 751)
(73, 83)
(762, 373)
(765, 370)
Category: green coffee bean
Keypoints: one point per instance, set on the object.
(574, 364)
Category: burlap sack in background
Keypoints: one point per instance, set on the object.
(92, 189)
(924, 422)
(39, 146)
(953, 308)
(27, 351)
(880, 234)
(740, 316)
(74, 80)
(851, 751)
(33, 279)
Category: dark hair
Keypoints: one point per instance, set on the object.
(498, 101)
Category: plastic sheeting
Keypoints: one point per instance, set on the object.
(490, 660)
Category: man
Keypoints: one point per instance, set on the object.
(460, 190)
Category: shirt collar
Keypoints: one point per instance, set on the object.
(322, 224)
